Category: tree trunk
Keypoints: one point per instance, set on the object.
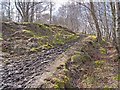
(9, 16)
(50, 12)
(114, 24)
(118, 25)
(32, 12)
(106, 22)
(99, 37)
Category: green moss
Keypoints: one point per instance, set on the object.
(60, 38)
(77, 52)
(89, 80)
(62, 82)
(47, 30)
(0, 35)
(107, 88)
(42, 37)
(78, 58)
(25, 23)
(71, 37)
(1, 39)
(65, 71)
(28, 32)
(117, 77)
(47, 46)
(56, 87)
(99, 63)
(103, 42)
(48, 36)
(6, 62)
(103, 50)
(41, 30)
(59, 42)
(92, 37)
(59, 83)
(34, 49)
(4, 50)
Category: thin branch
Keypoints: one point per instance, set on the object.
(18, 9)
(35, 4)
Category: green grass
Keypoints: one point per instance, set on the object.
(0, 35)
(117, 77)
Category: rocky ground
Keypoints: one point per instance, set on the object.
(1, 66)
(27, 49)
(44, 56)
(88, 65)
(21, 70)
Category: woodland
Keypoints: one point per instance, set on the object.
(59, 44)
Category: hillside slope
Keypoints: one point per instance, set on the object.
(49, 56)
(87, 64)
(21, 38)
(28, 48)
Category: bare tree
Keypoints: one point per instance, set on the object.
(112, 5)
(68, 16)
(24, 8)
(50, 12)
(39, 11)
(6, 10)
(99, 37)
(118, 25)
(9, 16)
(2, 8)
(106, 22)
(32, 11)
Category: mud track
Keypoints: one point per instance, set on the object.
(19, 71)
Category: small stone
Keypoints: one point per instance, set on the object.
(16, 71)
(19, 86)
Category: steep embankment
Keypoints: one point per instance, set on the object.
(29, 48)
(87, 64)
